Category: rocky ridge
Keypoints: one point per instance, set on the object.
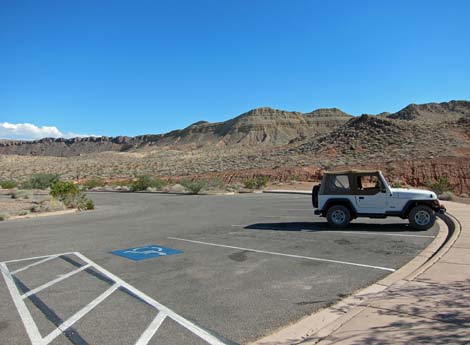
(262, 126)
(272, 142)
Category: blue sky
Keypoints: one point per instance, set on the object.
(136, 67)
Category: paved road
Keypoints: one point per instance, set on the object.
(250, 264)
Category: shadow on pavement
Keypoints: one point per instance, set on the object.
(317, 226)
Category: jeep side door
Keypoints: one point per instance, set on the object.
(370, 194)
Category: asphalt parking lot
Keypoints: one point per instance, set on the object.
(249, 264)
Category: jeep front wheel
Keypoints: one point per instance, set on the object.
(422, 217)
(338, 216)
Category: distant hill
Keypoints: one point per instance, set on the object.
(261, 126)
(270, 128)
(418, 144)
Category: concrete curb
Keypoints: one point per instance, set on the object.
(324, 322)
(44, 214)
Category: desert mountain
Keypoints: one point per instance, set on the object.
(433, 112)
(417, 144)
(438, 127)
(261, 126)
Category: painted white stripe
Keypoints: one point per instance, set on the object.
(37, 257)
(54, 281)
(201, 333)
(33, 264)
(283, 254)
(29, 324)
(77, 316)
(151, 329)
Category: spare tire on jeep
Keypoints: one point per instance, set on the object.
(315, 191)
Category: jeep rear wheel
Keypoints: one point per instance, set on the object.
(338, 216)
(422, 217)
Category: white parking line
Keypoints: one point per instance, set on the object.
(35, 335)
(151, 329)
(31, 327)
(201, 333)
(77, 316)
(54, 281)
(283, 254)
(33, 264)
(37, 257)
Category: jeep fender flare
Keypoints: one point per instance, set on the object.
(413, 203)
(339, 201)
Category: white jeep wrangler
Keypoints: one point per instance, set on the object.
(345, 195)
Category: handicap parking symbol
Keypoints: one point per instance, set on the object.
(146, 252)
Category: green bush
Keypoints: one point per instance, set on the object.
(8, 184)
(215, 183)
(41, 181)
(194, 187)
(250, 183)
(145, 181)
(441, 186)
(257, 182)
(89, 205)
(93, 183)
(294, 177)
(4, 216)
(22, 194)
(62, 189)
(48, 205)
(71, 195)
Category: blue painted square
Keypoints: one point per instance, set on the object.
(146, 252)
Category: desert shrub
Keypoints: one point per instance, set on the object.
(257, 182)
(464, 195)
(215, 183)
(442, 185)
(447, 196)
(89, 204)
(121, 183)
(48, 205)
(143, 182)
(23, 213)
(71, 196)
(22, 194)
(294, 177)
(93, 183)
(8, 184)
(176, 188)
(397, 184)
(235, 187)
(4, 216)
(62, 189)
(41, 181)
(250, 183)
(194, 187)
